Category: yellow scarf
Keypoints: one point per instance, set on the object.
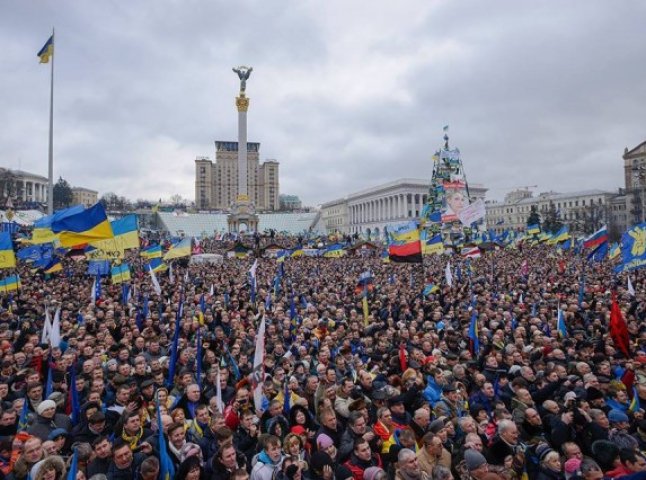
(134, 439)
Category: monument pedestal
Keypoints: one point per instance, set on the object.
(243, 216)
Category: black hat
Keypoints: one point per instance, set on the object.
(395, 400)
(380, 394)
(147, 383)
(449, 388)
(592, 393)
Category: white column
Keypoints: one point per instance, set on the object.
(242, 151)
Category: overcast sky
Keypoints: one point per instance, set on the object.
(344, 94)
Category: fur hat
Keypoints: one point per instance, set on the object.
(473, 459)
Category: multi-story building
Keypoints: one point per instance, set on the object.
(583, 211)
(23, 186)
(84, 196)
(216, 183)
(635, 183)
(372, 209)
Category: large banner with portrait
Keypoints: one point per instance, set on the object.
(455, 200)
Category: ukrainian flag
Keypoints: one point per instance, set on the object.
(181, 249)
(54, 266)
(120, 273)
(334, 251)
(429, 289)
(154, 251)
(156, 265)
(10, 284)
(435, 245)
(7, 255)
(533, 229)
(126, 235)
(43, 228)
(85, 227)
(47, 50)
(615, 250)
(298, 252)
(281, 255)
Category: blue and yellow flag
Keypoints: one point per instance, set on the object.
(433, 245)
(7, 255)
(297, 252)
(533, 229)
(179, 250)
(154, 251)
(156, 265)
(633, 247)
(23, 421)
(9, 284)
(88, 226)
(166, 466)
(54, 266)
(120, 273)
(126, 235)
(615, 250)
(334, 251)
(474, 334)
(47, 50)
(429, 289)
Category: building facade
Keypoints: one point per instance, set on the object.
(216, 183)
(84, 196)
(583, 212)
(635, 183)
(22, 186)
(370, 210)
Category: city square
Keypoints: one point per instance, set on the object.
(303, 241)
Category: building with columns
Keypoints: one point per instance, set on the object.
(22, 186)
(372, 209)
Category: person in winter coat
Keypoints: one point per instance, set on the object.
(124, 463)
(47, 420)
(550, 466)
(51, 468)
(268, 460)
(226, 461)
(361, 459)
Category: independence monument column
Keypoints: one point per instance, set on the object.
(243, 216)
(242, 103)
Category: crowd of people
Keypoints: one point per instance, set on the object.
(404, 392)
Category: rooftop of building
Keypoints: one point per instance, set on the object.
(195, 224)
(22, 173)
(401, 182)
(553, 196)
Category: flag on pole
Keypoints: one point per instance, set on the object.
(634, 403)
(49, 385)
(560, 323)
(631, 289)
(258, 374)
(55, 332)
(252, 280)
(153, 279)
(7, 255)
(474, 334)
(166, 467)
(364, 305)
(75, 403)
(618, 328)
(47, 327)
(23, 421)
(47, 50)
(74, 466)
(448, 274)
(198, 356)
(218, 393)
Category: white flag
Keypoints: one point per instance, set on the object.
(47, 328)
(55, 334)
(93, 294)
(631, 289)
(253, 269)
(153, 278)
(258, 373)
(212, 291)
(186, 277)
(218, 393)
(448, 274)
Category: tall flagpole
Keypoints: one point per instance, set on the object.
(50, 186)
